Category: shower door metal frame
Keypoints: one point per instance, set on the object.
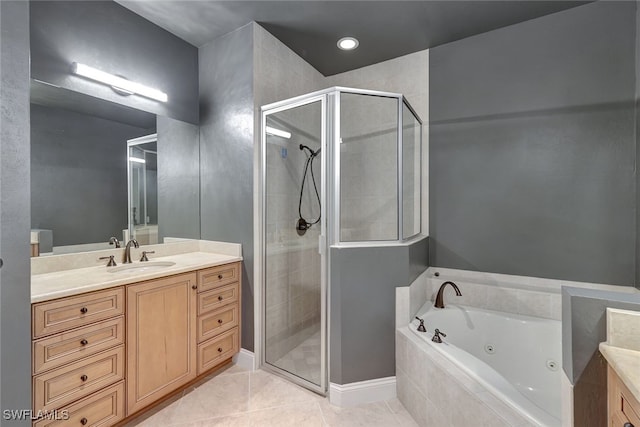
(260, 342)
(330, 211)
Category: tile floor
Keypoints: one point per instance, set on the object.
(239, 398)
(303, 360)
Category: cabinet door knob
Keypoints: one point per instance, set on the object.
(220, 321)
(194, 287)
(628, 425)
(84, 378)
(219, 276)
(220, 298)
(84, 342)
(83, 310)
(84, 421)
(219, 349)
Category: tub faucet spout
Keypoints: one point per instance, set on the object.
(440, 297)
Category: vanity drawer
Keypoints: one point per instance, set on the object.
(217, 322)
(214, 277)
(61, 386)
(629, 407)
(67, 313)
(101, 409)
(217, 350)
(70, 346)
(216, 298)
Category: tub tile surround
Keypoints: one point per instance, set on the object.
(622, 348)
(529, 296)
(437, 393)
(58, 276)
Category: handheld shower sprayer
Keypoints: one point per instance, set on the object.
(302, 225)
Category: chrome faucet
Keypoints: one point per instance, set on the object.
(440, 297)
(127, 250)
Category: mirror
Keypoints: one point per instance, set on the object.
(143, 189)
(81, 174)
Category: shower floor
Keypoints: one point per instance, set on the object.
(303, 360)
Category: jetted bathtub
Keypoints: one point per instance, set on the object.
(515, 357)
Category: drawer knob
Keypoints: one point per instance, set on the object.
(628, 425)
(194, 287)
(83, 310)
(220, 298)
(84, 342)
(84, 421)
(84, 378)
(219, 349)
(219, 276)
(220, 321)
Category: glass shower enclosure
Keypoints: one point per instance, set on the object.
(338, 168)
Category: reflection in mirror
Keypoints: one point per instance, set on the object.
(79, 169)
(143, 189)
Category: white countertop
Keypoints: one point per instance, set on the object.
(626, 363)
(73, 281)
(622, 348)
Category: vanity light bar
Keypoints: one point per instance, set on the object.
(118, 82)
(278, 132)
(137, 160)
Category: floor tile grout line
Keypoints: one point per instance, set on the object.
(324, 420)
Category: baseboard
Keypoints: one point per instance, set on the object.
(369, 391)
(245, 359)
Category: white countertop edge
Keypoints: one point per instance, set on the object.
(95, 278)
(626, 363)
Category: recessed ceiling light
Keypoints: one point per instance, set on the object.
(348, 43)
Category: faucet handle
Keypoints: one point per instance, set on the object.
(436, 336)
(144, 255)
(421, 327)
(111, 263)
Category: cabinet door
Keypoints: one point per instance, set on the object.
(161, 338)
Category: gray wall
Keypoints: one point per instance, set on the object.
(178, 179)
(79, 175)
(532, 148)
(226, 152)
(362, 304)
(107, 36)
(15, 310)
(637, 104)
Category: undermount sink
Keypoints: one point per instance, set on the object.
(141, 267)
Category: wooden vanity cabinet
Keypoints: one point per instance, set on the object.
(161, 338)
(78, 358)
(177, 328)
(624, 409)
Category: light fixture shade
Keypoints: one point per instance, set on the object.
(118, 82)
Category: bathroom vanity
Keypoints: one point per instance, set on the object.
(622, 352)
(109, 342)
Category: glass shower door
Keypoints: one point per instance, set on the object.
(294, 323)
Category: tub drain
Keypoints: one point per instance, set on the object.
(552, 365)
(489, 348)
